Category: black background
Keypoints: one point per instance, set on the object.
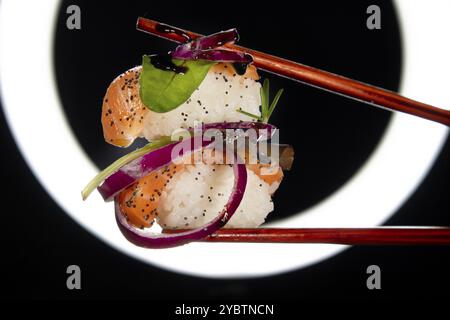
(332, 136)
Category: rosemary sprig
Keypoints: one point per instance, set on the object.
(266, 109)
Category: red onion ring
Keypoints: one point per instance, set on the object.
(159, 241)
(203, 48)
(158, 158)
(140, 167)
(244, 125)
(208, 42)
(216, 55)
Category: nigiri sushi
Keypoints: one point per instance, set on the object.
(155, 100)
(125, 117)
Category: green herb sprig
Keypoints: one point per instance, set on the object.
(266, 109)
(116, 165)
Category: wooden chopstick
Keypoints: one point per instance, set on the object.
(311, 76)
(347, 236)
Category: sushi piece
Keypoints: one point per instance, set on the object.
(125, 117)
(195, 84)
(188, 196)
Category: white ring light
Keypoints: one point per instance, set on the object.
(393, 172)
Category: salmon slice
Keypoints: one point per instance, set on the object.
(139, 201)
(270, 175)
(123, 111)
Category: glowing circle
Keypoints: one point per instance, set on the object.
(393, 172)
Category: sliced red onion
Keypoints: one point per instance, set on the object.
(216, 40)
(203, 48)
(159, 241)
(247, 125)
(244, 125)
(216, 55)
(140, 167)
(209, 42)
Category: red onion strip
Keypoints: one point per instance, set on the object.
(140, 167)
(159, 241)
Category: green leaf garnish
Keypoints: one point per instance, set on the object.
(266, 110)
(162, 91)
(274, 102)
(119, 163)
